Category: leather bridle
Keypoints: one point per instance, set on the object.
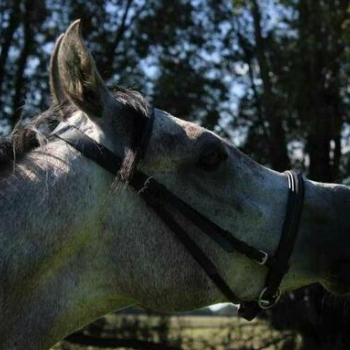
(163, 201)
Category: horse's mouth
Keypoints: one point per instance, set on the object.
(338, 281)
(337, 288)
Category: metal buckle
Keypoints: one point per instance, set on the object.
(264, 259)
(268, 303)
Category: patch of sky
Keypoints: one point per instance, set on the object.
(280, 18)
(296, 151)
(32, 66)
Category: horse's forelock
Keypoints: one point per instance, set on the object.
(136, 110)
(26, 137)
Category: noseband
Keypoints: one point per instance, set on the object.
(162, 201)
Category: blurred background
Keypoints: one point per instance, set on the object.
(273, 76)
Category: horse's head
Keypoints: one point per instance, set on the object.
(147, 264)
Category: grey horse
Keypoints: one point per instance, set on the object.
(76, 242)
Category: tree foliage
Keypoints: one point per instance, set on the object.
(161, 48)
(272, 74)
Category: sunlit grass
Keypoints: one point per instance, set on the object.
(195, 332)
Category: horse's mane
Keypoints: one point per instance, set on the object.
(28, 136)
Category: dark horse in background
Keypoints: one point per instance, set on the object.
(78, 242)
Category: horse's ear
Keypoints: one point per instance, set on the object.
(58, 95)
(77, 76)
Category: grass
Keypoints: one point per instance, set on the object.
(192, 332)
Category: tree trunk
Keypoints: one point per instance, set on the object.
(109, 56)
(7, 40)
(257, 98)
(320, 107)
(20, 80)
(278, 145)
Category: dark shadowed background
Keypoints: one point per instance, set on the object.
(271, 75)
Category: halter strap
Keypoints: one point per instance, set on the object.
(271, 294)
(158, 197)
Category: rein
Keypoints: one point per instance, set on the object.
(161, 200)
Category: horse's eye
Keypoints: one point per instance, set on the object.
(211, 158)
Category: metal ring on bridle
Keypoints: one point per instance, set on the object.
(264, 258)
(266, 303)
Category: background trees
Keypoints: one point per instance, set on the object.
(271, 75)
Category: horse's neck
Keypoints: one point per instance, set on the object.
(49, 220)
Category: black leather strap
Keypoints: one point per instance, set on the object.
(289, 231)
(270, 294)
